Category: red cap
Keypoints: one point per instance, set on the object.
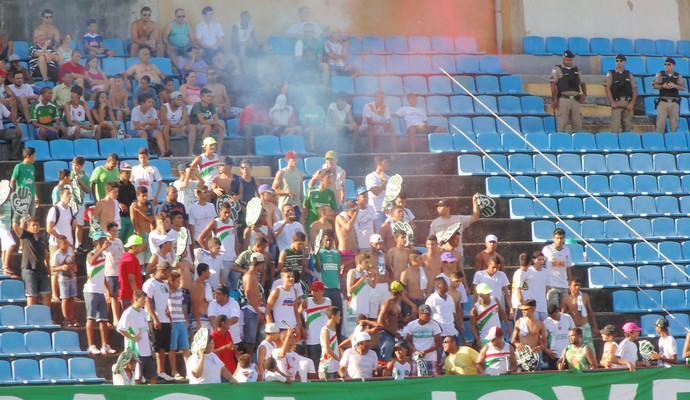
(290, 154)
(317, 286)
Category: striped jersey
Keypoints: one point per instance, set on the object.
(95, 273)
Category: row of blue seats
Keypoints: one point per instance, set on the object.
(29, 317)
(117, 45)
(48, 371)
(649, 300)
(91, 149)
(435, 84)
(622, 206)
(39, 344)
(12, 291)
(679, 322)
(613, 230)
(51, 168)
(598, 185)
(537, 164)
(620, 253)
(392, 45)
(641, 66)
(113, 66)
(581, 46)
(645, 275)
(428, 65)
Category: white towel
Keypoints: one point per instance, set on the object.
(423, 281)
(581, 305)
(524, 330)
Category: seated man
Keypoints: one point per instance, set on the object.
(376, 118)
(205, 117)
(47, 28)
(6, 47)
(337, 51)
(210, 36)
(144, 67)
(297, 29)
(44, 59)
(144, 88)
(74, 66)
(244, 42)
(15, 67)
(78, 115)
(23, 93)
(145, 34)
(176, 36)
(220, 93)
(45, 117)
(145, 122)
(415, 119)
(93, 41)
(193, 62)
(175, 120)
(310, 49)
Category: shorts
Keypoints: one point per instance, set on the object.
(6, 239)
(68, 288)
(377, 297)
(85, 133)
(179, 336)
(36, 282)
(251, 326)
(347, 257)
(113, 285)
(149, 134)
(161, 337)
(96, 306)
(79, 216)
(148, 367)
(144, 256)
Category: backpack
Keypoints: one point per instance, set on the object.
(58, 214)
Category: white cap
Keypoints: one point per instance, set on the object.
(375, 238)
(271, 328)
(491, 238)
(494, 332)
(360, 337)
(257, 257)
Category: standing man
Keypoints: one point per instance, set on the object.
(557, 327)
(389, 319)
(497, 357)
(160, 324)
(481, 261)
(423, 335)
(285, 229)
(577, 356)
(621, 90)
(288, 184)
(529, 331)
(445, 219)
(668, 82)
(557, 262)
(376, 184)
(565, 92)
(365, 219)
(578, 305)
(210, 36)
(668, 348)
(459, 360)
(444, 311)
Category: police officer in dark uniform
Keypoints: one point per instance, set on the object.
(668, 83)
(621, 90)
(565, 92)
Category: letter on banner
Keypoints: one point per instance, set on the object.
(443, 396)
(513, 395)
(568, 393)
(181, 396)
(623, 392)
(669, 388)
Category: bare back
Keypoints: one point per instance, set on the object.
(398, 259)
(199, 297)
(410, 278)
(347, 240)
(433, 266)
(569, 307)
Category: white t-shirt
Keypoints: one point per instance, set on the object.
(60, 258)
(135, 323)
(365, 222)
(209, 35)
(520, 280)
(270, 376)
(374, 180)
(284, 239)
(230, 309)
(24, 90)
(289, 365)
(414, 116)
(186, 195)
(243, 375)
(557, 332)
(341, 115)
(200, 216)
(215, 265)
(443, 312)
(627, 350)
(668, 348)
(113, 254)
(368, 112)
(359, 366)
(140, 117)
(537, 287)
(63, 225)
(423, 336)
(145, 176)
(212, 367)
(159, 293)
(496, 282)
(555, 263)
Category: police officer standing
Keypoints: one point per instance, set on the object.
(621, 90)
(668, 83)
(565, 91)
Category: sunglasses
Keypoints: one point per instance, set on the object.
(668, 64)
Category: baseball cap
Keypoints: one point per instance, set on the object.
(165, 239)
(163, 266)
(661, 323)
(621, 57)
(14, 57)
(424, 309)
(182, 166)
(257, 257)
(396, 287)
(208, 140)
(630, 327)
(271, 328)
(125, 166)
(266, 188)
(529, 303)
(399, 345)
(670, 60)
(361, 190)
(442, 203)
(176, 95)
(608, 330)
(134, 240)
(375, 238)
(494, 332)
(568, 54)
(360, 337)
(331, 154)
(491, 238)
(483, 288)
(290, 154)
(448, 257)
(99, 234)
(317, 286)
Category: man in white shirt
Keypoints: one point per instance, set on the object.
(286, 228)
(205, 366)
(445, 219)
(443, 309)
(557, 326)
(668, 348)
(423, 335)
(145, 174)
(60, 220)
(135, 329)
(202, 212)
(297, 29)
(358, 362)
(23, 91)
(223, 304)
(376, 118)
(376, 185)
(497, 281)
(157, 295)
(557, 262)
(365, 220)
(415, 119)
(210, 36)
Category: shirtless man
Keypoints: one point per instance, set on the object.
(267, 196)
(48, 29)
(414, 279)
(387, 232)
(145, 34)
(432, 260)
(347, 237)
(578, 306)
(220, 94)
(144, 68)
(254, 311)
(141, 214)
(324, 222)
(389, 319)
(226, 182)
(107, 210)
(202, 294)
(118, 98)
(528, 330)
(456, 290)
(397, 257)
(384, 274)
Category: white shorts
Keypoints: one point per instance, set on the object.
(80, 213)
(379, 294)
(87, 133)
(6, 239)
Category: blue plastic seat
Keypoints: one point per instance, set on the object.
(569, 185)
(642, 205)
(577, 252)
(38, 316)
(490, 65)
(164, 168)
(571, 207)
(556, 45)
(51, 169)
(27, 371)
(630, 141)
(545, 207)
(625, 301)
(112, 145)
(669, 184)
(625, 276)
(665, 47)
(649, 300)
(544, 163)
(438, 105)
(419, 44)
(359, 102)
(594, 163)
(533, 105)
(282, 163)
(373, 45)
(636, 66)
(54, 370)
(646, 253)
(645, 184)
(420, 65)
(490, 163)
(683, 162)
(538, 140)
(597, 253)
(440, 85)
(673, 299)
(282, 45)
(21, 48)
(570, 162)
(267, 145)
(507, 126)
(293, 142)
(440, 143)
(466, 45)
(623, 46)
(484, 125)
(62, 149)
(487, 84)
(594, 208)
(132, 146)
(592, 230)
(397, 64)
(523, 186)
(654, 65)
(391, 85)
(12, 345)
(641, 226)
(490, 142)
(464, 124)
(674, 275)
(615, 229)
(12, 291)
(511, 84)
(522, 208)
(597, 184)
(678, 324)
(676, 141)
(621, 205)
(164, 65)
(496, 186)
(621, 253)
(311, 165)
(617, 163)
(653, 141)
(584, 141)
(396, 45)
(579, 46)
(534, 45)
(438, 121)
(646, 47)
(667, 205)
(374, 65)
(664, 163)
(683, 48)
(342, 84)
(461, 105)
(607, 141)
(67, 343)
(518, 163)
(649, 109)
(467, 64)
(415, 84)
(38, 343)
(463, 143)
(663, 227)
(88, 148)
(647, 322)
(600, 46)
(12, 317)
(467, 83)
(444, 62)
(83, 369)
(482, 102)
(607, 63)
(600, 277)
(468, 164)
(509, 105)
(542, 230)
(442, 44)
(113, 66)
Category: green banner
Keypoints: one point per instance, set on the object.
(648, 384)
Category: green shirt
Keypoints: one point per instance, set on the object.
(44, 114)
(208, 112)
(6, 216)
(25, 175)
(577, 358)
(314, 201)
(85, 180)
(101, 176)
(312, 116)
(330, 266)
